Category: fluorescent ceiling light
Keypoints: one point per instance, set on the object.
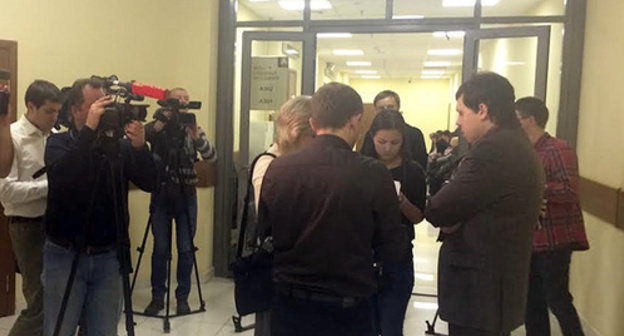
(451, 34)
(298, 5)
(468, 3)
(290, 51)
(348, 52)
(433, 72)
(433, 64)
(425, 305)
(334, 35)
(366, 72)
(407, 17)
(444, 52)
(511, 63)
(359, 63)
(371, 76)
(431, 77)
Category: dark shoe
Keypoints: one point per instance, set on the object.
(183, 307)
(155, 306)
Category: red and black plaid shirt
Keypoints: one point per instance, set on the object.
(561, 226)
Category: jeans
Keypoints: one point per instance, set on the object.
(167, 204)
(292, 316)
(393, 298)
(27, 242)
(548, 288)
(96, 292)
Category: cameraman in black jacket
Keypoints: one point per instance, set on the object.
(82, 207)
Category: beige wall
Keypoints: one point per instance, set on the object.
(154, 41)
(597, 276)
(425, 103)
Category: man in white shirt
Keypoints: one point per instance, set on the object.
(24, 198)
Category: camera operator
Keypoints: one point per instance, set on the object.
(175, 146)
(81, 214)
(6, 145)
(24, 198)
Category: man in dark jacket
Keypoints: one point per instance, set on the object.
(88, 190)
(328, 209)
(487, 214)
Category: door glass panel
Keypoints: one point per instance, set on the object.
(414, 9)
(348, 9)
(525, 8)
(513, 58)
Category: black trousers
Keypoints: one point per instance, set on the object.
(292, 316)
(548, 288)
(457, 330)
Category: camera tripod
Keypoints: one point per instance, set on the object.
(173, 163)
(110, 158)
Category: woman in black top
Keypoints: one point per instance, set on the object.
(388, 133)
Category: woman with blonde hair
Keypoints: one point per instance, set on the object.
(292, 133)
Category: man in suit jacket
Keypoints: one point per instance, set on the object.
(487, 214)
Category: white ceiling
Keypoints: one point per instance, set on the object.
(392, 55)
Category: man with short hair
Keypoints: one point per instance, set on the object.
(175, 146)
(24, 198)
(560, 231)
(327, 209)
(487, 213)
(88, 180)
(390, 100)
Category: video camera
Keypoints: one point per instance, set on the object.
(176, 117)
(118, 114)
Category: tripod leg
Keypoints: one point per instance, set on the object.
(169, 256)
(125, 274)
(68, 288)
(202, 303)
(141, 250)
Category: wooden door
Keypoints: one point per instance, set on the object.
(8, 61)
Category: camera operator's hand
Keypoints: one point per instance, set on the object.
(96, 110)
(159, 125)
(193, 131)
(136, 133)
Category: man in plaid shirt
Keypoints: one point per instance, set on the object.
(560, 229)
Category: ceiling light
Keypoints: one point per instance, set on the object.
(298, 5)
(371, 76)
(334, 35)
(450, 34)
(433, 64)
(444, 52)
(290, 51)
(468, 3)
(407, 17)
(425, 305)
(348, 52)
(433, 72)
(366, 72)
(359, 63)
(512, 63)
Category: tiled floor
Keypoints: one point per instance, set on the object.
(218, 295)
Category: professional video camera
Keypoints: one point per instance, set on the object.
(118, 114)
(173, 112)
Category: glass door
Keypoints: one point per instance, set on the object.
(518, 53)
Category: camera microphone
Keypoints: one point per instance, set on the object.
(135, 87)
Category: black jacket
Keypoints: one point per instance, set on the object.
(495, 194)
(328, 208)
(79, 173)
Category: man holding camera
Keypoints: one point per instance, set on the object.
(88, 187)
(24, 198)
(176, 139)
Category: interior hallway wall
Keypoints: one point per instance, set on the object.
(597, 276)
(154, 41)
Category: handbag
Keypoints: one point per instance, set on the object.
(253, 283)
